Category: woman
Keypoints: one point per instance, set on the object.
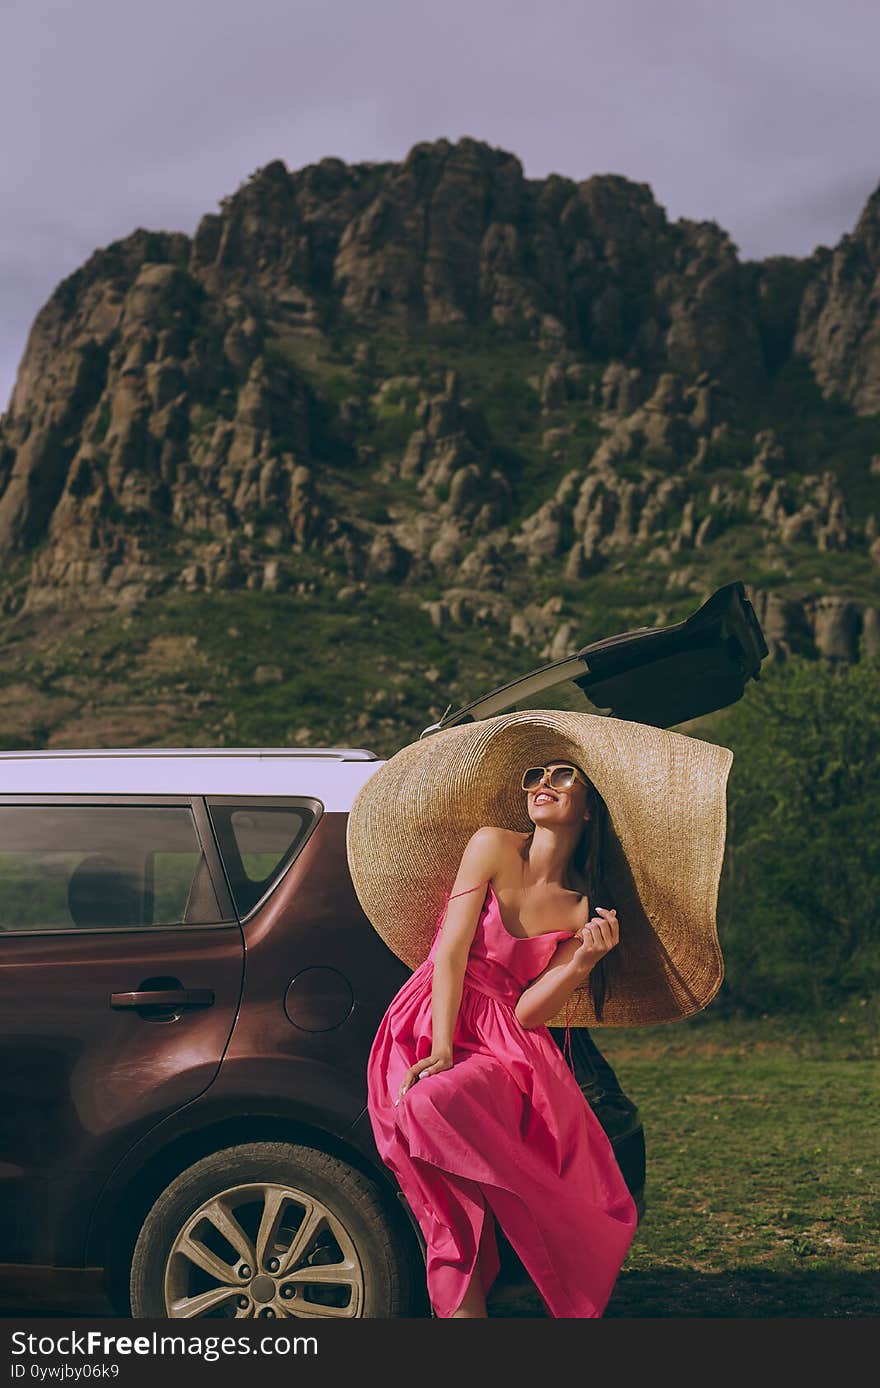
(472, 1105)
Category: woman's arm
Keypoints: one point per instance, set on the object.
(572, 962)
(478, 862)
(457, 934)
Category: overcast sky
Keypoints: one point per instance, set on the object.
(760, 114)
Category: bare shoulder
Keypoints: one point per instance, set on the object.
(500, 849)
(494, 832)
(485, 851)
(486, 842)
(504, 843)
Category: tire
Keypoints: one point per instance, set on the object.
(297, 1205)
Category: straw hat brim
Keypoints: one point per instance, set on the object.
(667, 819)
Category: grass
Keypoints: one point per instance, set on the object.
(762, 1181)
(101, 664)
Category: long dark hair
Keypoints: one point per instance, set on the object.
(588, 862)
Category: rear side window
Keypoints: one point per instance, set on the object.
(257, 843)
(93, 867)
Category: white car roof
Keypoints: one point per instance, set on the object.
(333, 775)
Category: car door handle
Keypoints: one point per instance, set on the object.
(164, 997)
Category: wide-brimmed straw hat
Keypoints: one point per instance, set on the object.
(664, 845)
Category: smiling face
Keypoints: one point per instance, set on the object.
(549, 806)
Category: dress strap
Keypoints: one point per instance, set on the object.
(566, 1045)
(470, 889)
(447, 898)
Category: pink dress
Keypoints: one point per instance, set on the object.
(505, 1132)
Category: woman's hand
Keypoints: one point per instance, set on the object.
(598, 936)
(430, 1065)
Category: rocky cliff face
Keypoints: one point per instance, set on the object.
(838, 328)
(197, 413)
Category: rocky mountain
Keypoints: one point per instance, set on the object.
(838, 326)
(514, 400)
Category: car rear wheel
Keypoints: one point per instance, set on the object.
(270, 1229)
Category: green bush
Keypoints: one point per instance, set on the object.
(395, 422)
(799, 908)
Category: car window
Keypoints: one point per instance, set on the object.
(257, 842)
(92, 867)
(564, 696)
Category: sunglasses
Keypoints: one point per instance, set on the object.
(560, 778)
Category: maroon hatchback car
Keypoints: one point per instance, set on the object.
(189, 991)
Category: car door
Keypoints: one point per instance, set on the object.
(121, 964)
(655, 675)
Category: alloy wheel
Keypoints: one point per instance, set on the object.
(263, 1250)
